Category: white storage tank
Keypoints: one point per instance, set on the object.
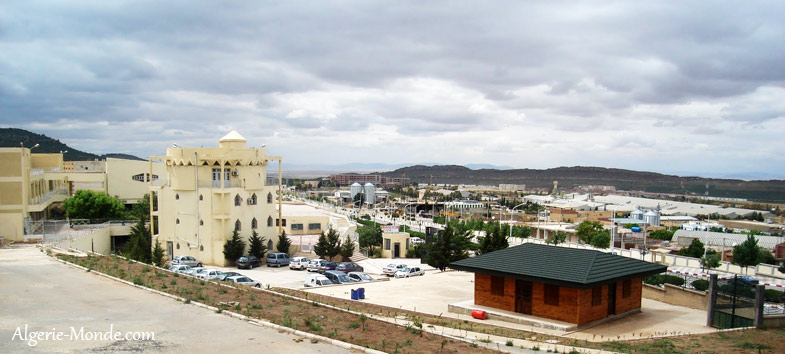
(355, 189)
(370, 193)
(652, 218)
(637, 214)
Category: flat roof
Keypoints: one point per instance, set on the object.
(563, 266)
(300, 210)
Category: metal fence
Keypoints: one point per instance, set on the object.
(734, 305)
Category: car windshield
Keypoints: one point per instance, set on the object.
(406, 270)
(392, 266)
(344, 278)
(243, 259)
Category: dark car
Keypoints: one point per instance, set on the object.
(338, 277)
(347, 267)
(327, 265)
(248, 262)
(747, 280)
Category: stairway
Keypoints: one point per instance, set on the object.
(356, 257)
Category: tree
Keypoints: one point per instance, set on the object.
(556, 238)
(347, 249)
(766, 256)
(86, 204)
(234, 248)
(369, 237)
(139, 245)
(747, 253)
(283, 243)
(694, 250)
(159, 257)
(256, 245)
(601, 240)
(711, 261)
(495, 239)
(329, 245)
(661, 234)
(588, 229)
(450, 246)
(142, 208)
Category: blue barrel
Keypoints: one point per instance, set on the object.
(354, 294)
(636, 229)
(361, 293)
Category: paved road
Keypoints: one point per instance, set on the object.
(45, 295)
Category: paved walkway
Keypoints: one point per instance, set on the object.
(45, 295)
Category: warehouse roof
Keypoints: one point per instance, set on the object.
(557, 265)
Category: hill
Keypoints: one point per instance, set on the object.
(12, 137)
(570, 177)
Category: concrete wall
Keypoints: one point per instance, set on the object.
(678, 296)
(773, 321)
(120, 182)
(401, 238)
(99, 241)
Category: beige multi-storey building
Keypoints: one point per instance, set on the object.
(211, 191)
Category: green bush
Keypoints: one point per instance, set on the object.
(659, 279)
(700, 284)
(674, 280)
(656, 279)
(773, 295)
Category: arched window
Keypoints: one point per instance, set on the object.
(177, 196)
(269, 198)
(177, 221)
(253, 223)
(269, 221)
(269, 244)
(237, 225)
(238, 200)
(201, 197)
(252, 199)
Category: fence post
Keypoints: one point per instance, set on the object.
(760, 293)
(712, 299)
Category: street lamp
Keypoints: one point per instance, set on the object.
(404, 215)
(511, 210)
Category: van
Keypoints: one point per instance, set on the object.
(338, 277)
(316, 280)
(277, 259)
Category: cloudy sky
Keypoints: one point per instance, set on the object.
(675, 87)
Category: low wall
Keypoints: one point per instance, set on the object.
(773, 321)
(678, 296)
(98, 241)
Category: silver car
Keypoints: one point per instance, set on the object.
(409, 272)
(390, 269)
(187, 260)
(360, 276)
(182, 269)
(195, 271)
(243, 280)
(209, 274)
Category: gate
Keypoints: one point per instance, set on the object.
(734, 305)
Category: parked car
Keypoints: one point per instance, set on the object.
(209, 274)
(338, 277)
(277, 259)
(747, 280)
(194, 271)
(187, 260)
(248, 262)
(180, 268)
(243, 280)
(347, 267)
(360, 276)
(299, 263)
(390, 269)
(409, 272)
(314, 264)
(223, 276)
(316, 280)
(416, 240)
(327, 265)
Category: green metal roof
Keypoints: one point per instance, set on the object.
(573, 267)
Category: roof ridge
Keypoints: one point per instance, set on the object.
(589, 268)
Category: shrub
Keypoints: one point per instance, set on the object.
(674, 280)
(700, 284)
(774, 295)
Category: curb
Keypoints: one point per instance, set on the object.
(254, 321)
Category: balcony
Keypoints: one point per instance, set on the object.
(42, 201)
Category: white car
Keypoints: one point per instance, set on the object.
(209, 274)
(416, 240)
(181, 268)
(194, 271)
(243, 280)
(187, 260)
(409, 272)
(390, 269)
(314, 264)
(359, 276)
(299, 263)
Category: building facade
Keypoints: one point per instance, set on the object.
(210, 192)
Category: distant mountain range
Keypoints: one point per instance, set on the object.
(570, 177)
(12, 137)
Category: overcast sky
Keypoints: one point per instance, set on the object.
(677, 87)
